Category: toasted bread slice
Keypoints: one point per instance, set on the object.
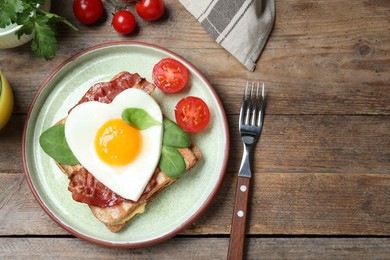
(115, 217)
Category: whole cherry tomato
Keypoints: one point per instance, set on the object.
(170, 75)
(192, 114)
(88, 11)
(123, 22)
(150, 9)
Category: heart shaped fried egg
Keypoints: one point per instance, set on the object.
(119, 155)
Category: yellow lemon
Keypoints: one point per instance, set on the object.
(6, 101)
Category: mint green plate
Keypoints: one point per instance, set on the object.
(177, 206)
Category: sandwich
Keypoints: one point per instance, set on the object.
(117, 189)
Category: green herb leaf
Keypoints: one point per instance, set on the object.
(44, 43)
(27, 22)
(34, 21)
(9, 10)
(174, 136)
(25, 16)
(60, 19)
(53, 142)
(138, 118)
(171, 162)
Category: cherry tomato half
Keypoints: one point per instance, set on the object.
(88, 11)
(123, 22)
(150, 9)
(192, 114)
(170, 75)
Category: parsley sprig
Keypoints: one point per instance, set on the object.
(34, 21)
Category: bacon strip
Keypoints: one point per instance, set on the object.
(86, 189)
(105, 92)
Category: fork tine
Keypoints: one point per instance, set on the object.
(243, 105)
(249, 106)
(252, 107)
(261, 111)
(255, 101)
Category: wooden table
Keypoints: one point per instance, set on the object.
(322, 166)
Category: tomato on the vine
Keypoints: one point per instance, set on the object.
(124, 22)
(192, 114)
(170, 75)
(150, 9)
(88, 11)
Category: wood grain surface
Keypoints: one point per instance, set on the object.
(321, 173)
(181, 247)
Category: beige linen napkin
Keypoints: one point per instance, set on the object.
(241, 27)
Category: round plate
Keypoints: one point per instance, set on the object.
(178, 205)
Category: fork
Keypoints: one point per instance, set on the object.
(250, 125)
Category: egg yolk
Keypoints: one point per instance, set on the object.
(118, 143)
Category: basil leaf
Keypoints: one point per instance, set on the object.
(174, 136)
(138, 118)
(171, 162)
(53, 142)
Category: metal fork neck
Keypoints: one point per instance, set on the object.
(245, 169)
(249, 139)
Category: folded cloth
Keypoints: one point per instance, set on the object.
(242, 27)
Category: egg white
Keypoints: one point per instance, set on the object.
(82, 124)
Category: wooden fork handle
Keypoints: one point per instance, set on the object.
(237, 231)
